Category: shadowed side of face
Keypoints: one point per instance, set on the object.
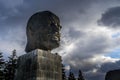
(43, 31)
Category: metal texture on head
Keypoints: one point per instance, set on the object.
(43, 31)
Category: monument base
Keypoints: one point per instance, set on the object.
(39, 65)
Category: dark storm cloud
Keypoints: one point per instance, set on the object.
(111, 17)
(110, 66)
(19, 14)
(88, 44)
(100, 72)
(75, 34)
(95, 76)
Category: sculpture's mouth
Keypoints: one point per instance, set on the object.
(54, 37)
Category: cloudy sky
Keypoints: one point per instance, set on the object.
(90, 35)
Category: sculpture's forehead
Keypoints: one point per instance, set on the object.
(44, 18)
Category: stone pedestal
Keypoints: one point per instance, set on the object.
(39, 65)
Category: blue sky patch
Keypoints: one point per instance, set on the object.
(114, 54)
(116, 35)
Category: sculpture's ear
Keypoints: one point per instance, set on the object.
(29, 31)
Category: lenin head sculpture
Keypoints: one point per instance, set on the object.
(43, 31)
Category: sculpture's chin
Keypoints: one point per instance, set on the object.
(53, 44)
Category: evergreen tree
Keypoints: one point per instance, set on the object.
(80, 76)
(63, 73)
(10, 66)
(71, 76)
(1, 66)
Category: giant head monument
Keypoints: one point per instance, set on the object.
(43, 31)
(43, 35)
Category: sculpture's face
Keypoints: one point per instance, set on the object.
(49, 34)
(43, 32)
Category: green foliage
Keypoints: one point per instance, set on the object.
(10, 66)
(63, 73)
(1, 66)
(80, 76)
(71, 76)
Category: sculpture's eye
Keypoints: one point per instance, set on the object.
(52, 24)
(56, 25)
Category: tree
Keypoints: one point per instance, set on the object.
(63, 73)
(1, 66)
(80, 76)
(71, 76)
(10, 66)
